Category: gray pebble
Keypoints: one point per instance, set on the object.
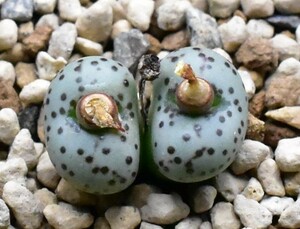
(284, 21)
(19, 10)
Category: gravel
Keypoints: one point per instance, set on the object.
(260, 37)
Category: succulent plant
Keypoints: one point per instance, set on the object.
(197, 122)
(92, 125)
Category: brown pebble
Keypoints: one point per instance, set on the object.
(256, 128)
(15, 54)
(25, 30)
(155, 45)
(257, 103)
(175, 40)
(25, 73)
(9, 97)
(258, 54)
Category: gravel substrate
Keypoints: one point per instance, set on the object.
(260, 37)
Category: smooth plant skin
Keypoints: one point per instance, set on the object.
(102, 161)
(191, 148)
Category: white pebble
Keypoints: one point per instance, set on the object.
(139, 13)
(7, 73)
(66, 216)
(203, 198)
(164, 209)
(47, 66)
(35, 91)
(123, 217)
(8, 34)
(88, 47)
(44, 6)
(251, 213)
(223, 216)
(120, 27)
(250, 156)
(24, 205)
(51, 20)
(190, 223)
(171, 14)
(230, 185)
(298, 34)
(286, 47)
(45, 197)
(276, 205)
(269, 175)
(23, 147)
(9, 125)
(287, 155)
(12, 170)
(139, 194)
(248, 82)
(259, 28)
(290, 217)
(223, 9)
(257, 8)
(253, 190)
(96, 22)
(206, 225)
(145, 225)
(62, 41)
(46, 172)
(233, 33)
(4, 215)
(39, 148)
(69, 10)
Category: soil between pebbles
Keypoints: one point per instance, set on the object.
(261, 38)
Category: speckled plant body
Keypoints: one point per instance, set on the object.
(97, 161)
(195, 148)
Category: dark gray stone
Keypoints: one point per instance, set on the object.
(18, 10)
(28, 119)
(203, 29)
(284, 21)
(129, 47)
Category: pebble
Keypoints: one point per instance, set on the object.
(171, 15)
(250, 156)
(298, 34)
(62, 41)
(193, 222)
(290, 217)
(51, 20)
(175, 40)
(25, 73)
(276, 205)
(164, 209)
(257, 54)
(155, 45)
(287, 6)
(256, 105)
(34, 92)
(23, 147)
(37, 40)
(202, 198)
(248, 82)
(24, 205)
(260, 28)
(288, 115)
(66, 192)
(269, 175)
(4, 215)
(45, 197)
(9, 125)
(123, 217)
(138, 194)
(253, 190)
(223, 216)
(28, 119)
(101, 223)
(203, 29)
(16, 54)
(46, 172)
(69, 10)
(139, 13)
(88, 47)
(103, 202)
(7, 73)
(256, 128)
(18, 10)
(120, 27)
(44, 6)
(9, 97)
(8, 34)
(206, 225)
(223, 53)
(95, 23)
(257, 8)
(47, 66)
(129, 47)
(292, 183)
(286, 47)
(251, 213)
(24, 30)
(229, 185)
(145, 225)
(220, 9)
(287, 155)
(284, 21)
(66, 216)
(233, 33)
